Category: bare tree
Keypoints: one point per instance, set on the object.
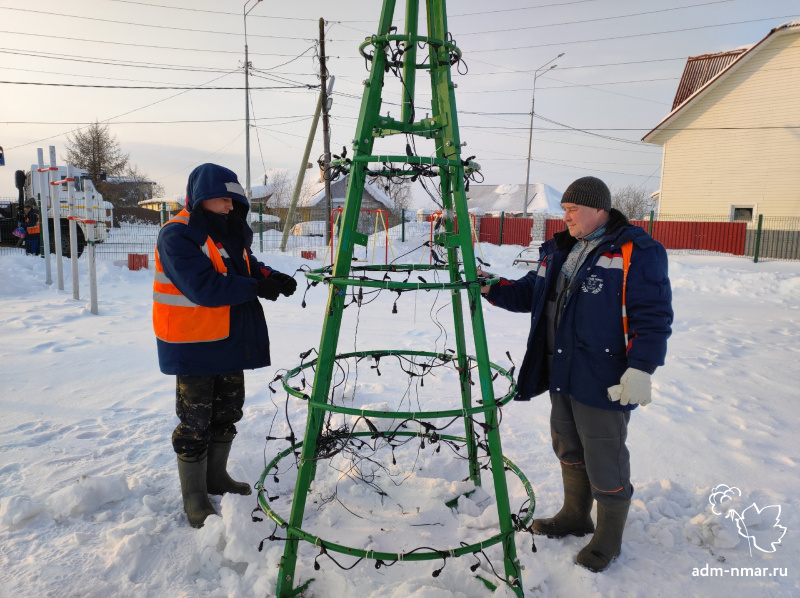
(399, 192)
(633, 201)
(97, 151)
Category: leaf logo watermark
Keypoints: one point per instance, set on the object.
(761, 527)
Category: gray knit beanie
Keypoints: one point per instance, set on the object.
(588, 191)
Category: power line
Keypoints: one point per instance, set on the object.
(596, 19)
(99, 20)
(449, 16)
(567, 68)
(133, 63)
(220, 12)
(491, 12)
(106, 120)
(152, 86)
(299, 118)
(124, 122)
(8, 68)
(96, 41)
(632, 35)
(527, 89)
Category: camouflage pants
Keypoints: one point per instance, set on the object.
(207, 406)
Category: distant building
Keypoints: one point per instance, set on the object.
(129, 191)
(491, 200)
(731, 142)
(276, 195)
(174, 205)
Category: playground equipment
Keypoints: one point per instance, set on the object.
(397, 53)
(381, 216)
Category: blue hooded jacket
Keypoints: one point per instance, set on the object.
(192, 272)
(590, 353)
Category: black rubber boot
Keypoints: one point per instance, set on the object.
(604, 547)
(574, 518)
(219, 482)
(192, 472)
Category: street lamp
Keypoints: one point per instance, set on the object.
(247, 99)
(544, 68)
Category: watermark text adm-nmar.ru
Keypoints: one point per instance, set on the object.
(708, 571)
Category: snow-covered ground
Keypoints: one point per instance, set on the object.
(90, 502)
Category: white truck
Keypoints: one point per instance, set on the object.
(89, 204)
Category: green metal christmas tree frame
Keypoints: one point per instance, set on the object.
(442, 127)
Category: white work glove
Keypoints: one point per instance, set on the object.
(634, 388)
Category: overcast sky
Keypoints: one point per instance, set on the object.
(621, 66)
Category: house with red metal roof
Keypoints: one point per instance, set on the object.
(731, 144)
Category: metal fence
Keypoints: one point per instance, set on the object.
(764, 237)
(776, 238)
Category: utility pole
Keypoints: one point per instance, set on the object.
(326, 138)
(247, 100)
(530, 136)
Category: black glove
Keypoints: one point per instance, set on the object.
(288, 284)
(269, 288)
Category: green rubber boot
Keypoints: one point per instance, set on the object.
(605, 546)
(192, 472)
(574, 518)
(219, 482)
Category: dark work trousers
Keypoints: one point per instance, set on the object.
(207, 406)
(594, 437)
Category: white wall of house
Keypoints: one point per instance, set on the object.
(710, 170)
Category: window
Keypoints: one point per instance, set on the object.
(742, 213)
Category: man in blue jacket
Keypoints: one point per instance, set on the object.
(601, 313)
(210, 327)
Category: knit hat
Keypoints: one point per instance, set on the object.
(209, 181)
(588, 191)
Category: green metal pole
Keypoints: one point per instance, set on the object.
(652, 215)
(758, 238)
(164, 218)
(403, 225)
(410, 62)
(450, 146)
(362, 146)
(502, 222)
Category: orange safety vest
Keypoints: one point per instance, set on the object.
(34, 230)
(627, 250)
(176, 319)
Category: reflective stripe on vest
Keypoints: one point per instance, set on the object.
(627, 249)
(176, 319)
(33, 230)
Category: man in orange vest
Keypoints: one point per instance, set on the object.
(210, 327)
(31, 221)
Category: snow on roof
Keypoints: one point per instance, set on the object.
(118, 180)
(339, 190)
(172, 202)
(542, 198)
(787, 24)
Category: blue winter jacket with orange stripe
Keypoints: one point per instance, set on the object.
(193, 273)
(590, 353)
